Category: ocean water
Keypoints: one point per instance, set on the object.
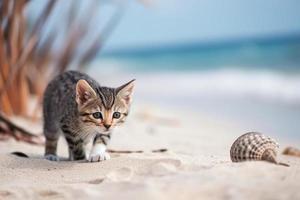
(261, 54)
(253, 83)
(266, 69)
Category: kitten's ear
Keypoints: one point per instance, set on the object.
(84, 92)
(125, 91)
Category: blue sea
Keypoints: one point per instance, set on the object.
(255, 83)
(278, 54)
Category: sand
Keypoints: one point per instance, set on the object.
(197, 165)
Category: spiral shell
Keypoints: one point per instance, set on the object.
(254, 146)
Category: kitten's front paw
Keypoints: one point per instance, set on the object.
(99, 157)
(52, 157)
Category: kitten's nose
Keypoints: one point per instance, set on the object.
(107, 126)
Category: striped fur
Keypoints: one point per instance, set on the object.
(70, 103)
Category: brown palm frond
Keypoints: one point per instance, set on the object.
(29, 57)
(9, 129)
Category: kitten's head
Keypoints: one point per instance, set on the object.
(103, 107)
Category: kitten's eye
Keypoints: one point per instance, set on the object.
(97, 115)
(116, 115)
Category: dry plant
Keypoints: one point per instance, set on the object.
(29, 58)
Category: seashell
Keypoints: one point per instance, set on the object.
(254, 146)
(291, 151)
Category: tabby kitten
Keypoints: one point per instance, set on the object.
(82, 110)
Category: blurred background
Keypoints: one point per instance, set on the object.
(236, 61)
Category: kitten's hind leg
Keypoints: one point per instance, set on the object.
(51, 148)
(51, 131)
(52, 136)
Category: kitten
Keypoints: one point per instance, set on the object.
(82, 110)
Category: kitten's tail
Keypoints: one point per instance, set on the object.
(20, 154)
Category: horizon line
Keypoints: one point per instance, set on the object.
(209, 44)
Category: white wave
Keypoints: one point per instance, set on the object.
(227, 82)
(253, 84)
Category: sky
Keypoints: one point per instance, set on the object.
(168, 22)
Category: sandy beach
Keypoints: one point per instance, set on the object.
(196, 166)
(192, 77)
